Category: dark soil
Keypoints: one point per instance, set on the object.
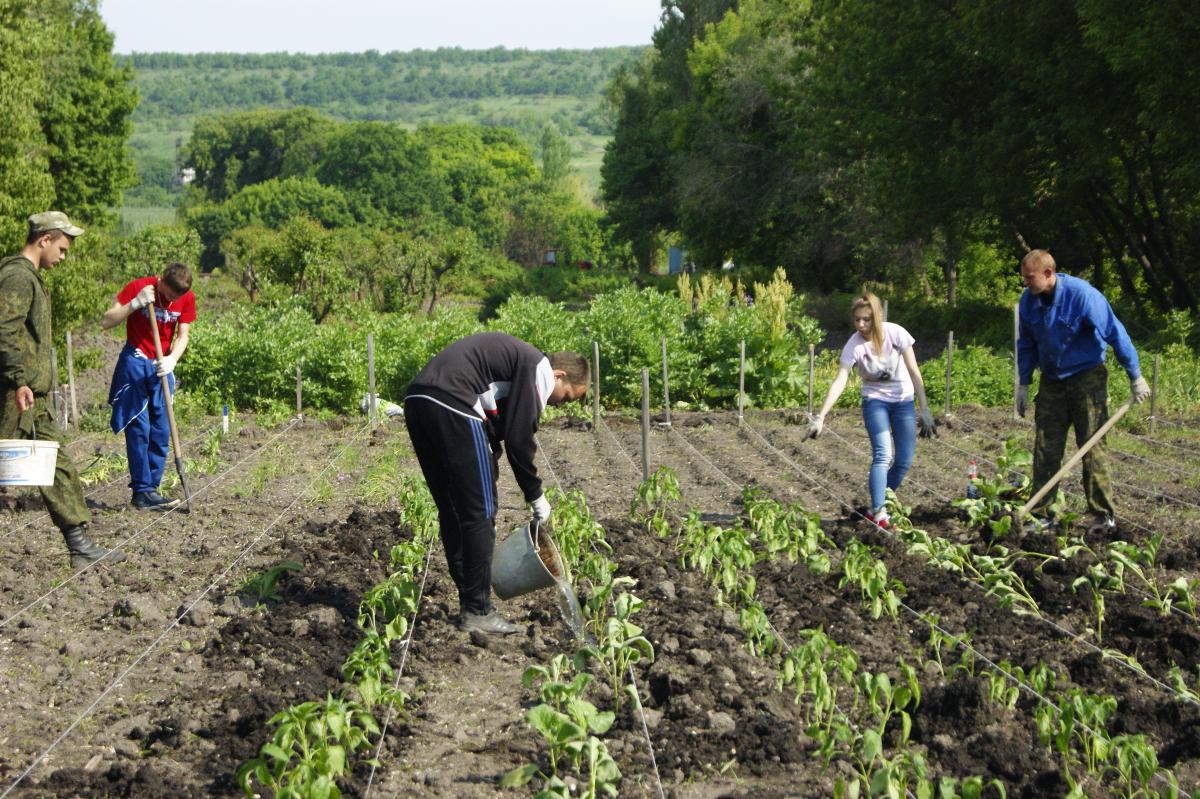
(147, 706)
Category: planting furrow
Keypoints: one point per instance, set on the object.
(1085, 738)
(133, 620)
(1089, 666)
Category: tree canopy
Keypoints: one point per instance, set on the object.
(860, 141)
(66, 108)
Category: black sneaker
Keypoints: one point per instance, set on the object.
(152, 500)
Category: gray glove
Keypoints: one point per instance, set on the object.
(926, 425)
(540, 508)
(143, 298)
(1022, 400)
(166, 365)
(1139, 389)
(815, 426)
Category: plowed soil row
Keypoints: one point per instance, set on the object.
(200, 704)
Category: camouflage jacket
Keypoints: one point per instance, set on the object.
(24, 327)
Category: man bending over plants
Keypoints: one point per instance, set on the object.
(139, 406)
(482, 392)
(26, 375)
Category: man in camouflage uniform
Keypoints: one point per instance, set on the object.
(26, 378)
(1065, 327)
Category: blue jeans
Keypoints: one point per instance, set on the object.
(889, 423)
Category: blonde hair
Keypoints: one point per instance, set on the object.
(1040, 260)
(869, 300)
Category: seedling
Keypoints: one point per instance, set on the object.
(262, 586)
(654, 501)
(621, 644)
(860, 567)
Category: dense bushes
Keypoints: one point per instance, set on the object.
(248, 356)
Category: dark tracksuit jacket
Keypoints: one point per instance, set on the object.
(478, 397)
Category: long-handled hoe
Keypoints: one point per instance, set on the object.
(169, 401)
(1020, 514)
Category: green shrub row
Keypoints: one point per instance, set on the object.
(248, 356)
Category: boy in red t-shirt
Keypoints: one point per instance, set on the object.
(138, 405)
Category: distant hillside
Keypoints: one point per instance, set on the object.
(373, 85)
(523, 89)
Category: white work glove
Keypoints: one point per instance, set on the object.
(540, 508)
(1022, 400)
(1139, 389)
(815, 426)
(926, 425)
(166, 365)
(143, 298)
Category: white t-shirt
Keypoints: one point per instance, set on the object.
(884, 377)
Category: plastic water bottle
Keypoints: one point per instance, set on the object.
(972, 474)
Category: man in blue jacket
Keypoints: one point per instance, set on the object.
(1066, 325)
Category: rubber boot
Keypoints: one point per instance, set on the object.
(85, 552)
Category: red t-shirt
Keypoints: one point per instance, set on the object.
(137, 325)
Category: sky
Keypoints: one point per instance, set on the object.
(329, 26)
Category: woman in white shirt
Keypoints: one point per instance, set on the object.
(882, 353)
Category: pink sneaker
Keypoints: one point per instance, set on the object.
(879, 519)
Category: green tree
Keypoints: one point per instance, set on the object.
(556, 155)
(85, 114)
(25, 183)
(387, 172)
(233, 151)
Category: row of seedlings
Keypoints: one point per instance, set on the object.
(1119, 567)
(822, 673)
(313, 742)
(576, 761)
(996, 570)
(1072, 723)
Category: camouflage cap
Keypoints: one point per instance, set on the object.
(52, 220)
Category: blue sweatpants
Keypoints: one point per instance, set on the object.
(139, 410)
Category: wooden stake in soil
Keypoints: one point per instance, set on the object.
(299, 396)
(372, 403)
(596, 387)
(1016, 364)
(949, 367)
(741, 380)
(1154, 392)
(810, 380)
(71, 380)
(666, 389)
(645, 424)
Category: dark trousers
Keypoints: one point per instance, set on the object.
(64, 499)
(460, 470)
(1080, 401)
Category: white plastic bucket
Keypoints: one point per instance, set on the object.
(27, 463)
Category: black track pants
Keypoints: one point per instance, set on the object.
(459, 468)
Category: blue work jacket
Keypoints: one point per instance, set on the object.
(1069, 335)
